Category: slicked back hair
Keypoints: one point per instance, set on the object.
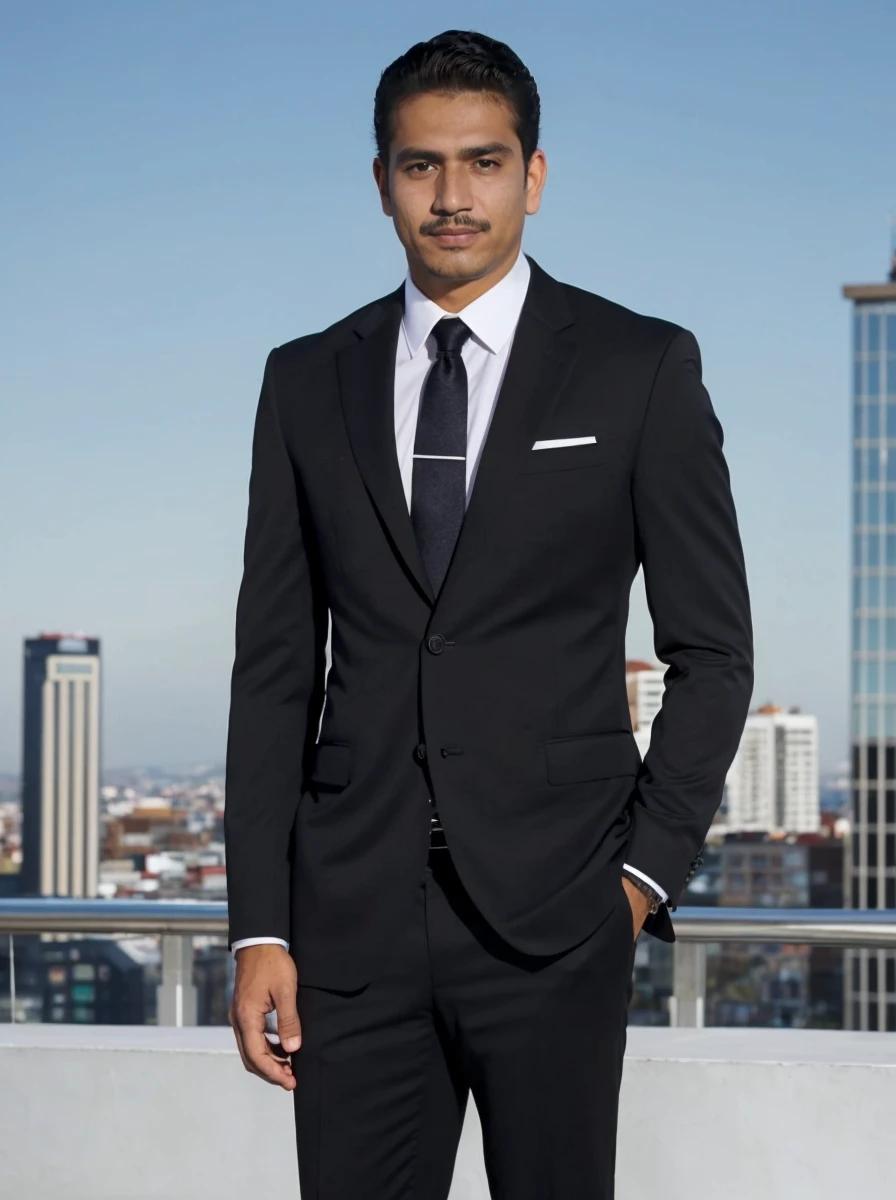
(458, 60)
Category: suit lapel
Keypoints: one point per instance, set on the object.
(542, 360)
(367, 389)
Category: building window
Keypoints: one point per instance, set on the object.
(872, 332)
(871, 760)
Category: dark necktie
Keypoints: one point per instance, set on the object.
(439, 479)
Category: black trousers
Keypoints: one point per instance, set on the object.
(384, 1072)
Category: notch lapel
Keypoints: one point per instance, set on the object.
(367, 390)
(542, 360)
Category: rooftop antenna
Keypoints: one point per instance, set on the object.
(893, 248)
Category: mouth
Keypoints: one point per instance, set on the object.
(455, 237)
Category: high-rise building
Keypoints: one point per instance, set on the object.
(60, 766)
(644, 683)
(772, 785)
(871, 974)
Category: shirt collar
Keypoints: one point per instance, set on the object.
(492, 317)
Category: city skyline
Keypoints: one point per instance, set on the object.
(169, 233)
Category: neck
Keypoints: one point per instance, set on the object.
(454, 295)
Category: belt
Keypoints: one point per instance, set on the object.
(436, 833)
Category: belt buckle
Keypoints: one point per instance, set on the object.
(436, 833)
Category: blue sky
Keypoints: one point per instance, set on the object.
(189, 184)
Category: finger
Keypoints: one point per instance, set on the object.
(239, 1042)
(258, 1052)
(275, 1049)
(278, 1051)
(240, 1048)
(273, 1036)
(264, 1062)
(289, 1027)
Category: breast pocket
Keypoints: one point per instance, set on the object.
(606, 450)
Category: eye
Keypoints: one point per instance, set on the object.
(493, 161)
(410, 169)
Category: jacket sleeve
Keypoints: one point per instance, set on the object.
(277, 682)
(695, 579)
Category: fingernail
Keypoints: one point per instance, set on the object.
(291, 1043)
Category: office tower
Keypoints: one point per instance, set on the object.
(772, 784)
(871, 974)
(70, 980)
(644, 686)
(60, 766)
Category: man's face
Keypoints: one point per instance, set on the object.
(456, 188)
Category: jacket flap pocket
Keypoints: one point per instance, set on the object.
(591, 756)
(331, 764)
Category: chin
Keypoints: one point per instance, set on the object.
(442, 260)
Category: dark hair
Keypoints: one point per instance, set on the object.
(458, 60)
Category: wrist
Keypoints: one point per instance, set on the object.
(238, 950)
(650, 896)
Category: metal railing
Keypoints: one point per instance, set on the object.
(174, 921)
(177, 921)
(849, 928)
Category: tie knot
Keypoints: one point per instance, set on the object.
(450, 334)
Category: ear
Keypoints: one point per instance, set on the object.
(536, 178)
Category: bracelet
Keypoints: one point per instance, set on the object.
(646, 890)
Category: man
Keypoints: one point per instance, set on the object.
(440, 855)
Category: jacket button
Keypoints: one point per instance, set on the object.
(420, 752)
(436, 643)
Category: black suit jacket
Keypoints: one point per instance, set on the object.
(504, 696)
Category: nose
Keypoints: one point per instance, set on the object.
(452, 191)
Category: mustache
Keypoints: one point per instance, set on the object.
(466, 225)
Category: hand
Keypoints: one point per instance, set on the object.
(639, 903)
(266, 981)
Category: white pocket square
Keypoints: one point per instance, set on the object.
(550, 443)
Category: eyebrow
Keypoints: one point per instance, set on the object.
(468, 152)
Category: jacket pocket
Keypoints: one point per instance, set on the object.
(557, 458)
(331, 766)
(610, 449)
(591, 756)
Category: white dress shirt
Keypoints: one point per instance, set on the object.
(492, 318)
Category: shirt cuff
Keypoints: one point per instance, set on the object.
(663, 894)
(257, 941)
